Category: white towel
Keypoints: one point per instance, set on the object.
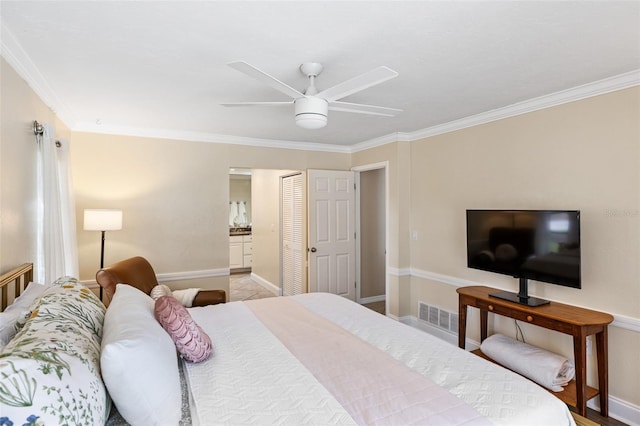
(242, 212)
(543, 367)
(233, 213)
(185, 297)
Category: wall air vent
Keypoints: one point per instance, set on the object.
(438, 317)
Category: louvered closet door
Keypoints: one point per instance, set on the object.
(292, 235)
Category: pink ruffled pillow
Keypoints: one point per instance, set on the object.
(191, 341)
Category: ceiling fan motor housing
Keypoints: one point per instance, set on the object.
(311, 112)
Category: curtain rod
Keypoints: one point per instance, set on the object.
(38, 130)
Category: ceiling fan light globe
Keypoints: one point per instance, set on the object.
(311, 112)
(311, 121)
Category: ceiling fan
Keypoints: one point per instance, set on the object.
(312, 106)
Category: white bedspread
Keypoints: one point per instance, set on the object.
(253, 379)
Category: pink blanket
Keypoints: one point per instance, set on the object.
(371, 385)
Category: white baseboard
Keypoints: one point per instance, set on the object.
(373, 299)
(265, 283)
(618, 409)
(90, 283)
(393, 317)
(176, 276)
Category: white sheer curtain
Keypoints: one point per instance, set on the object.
(57, 253)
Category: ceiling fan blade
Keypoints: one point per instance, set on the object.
(240, 104)
(364, 109)
(265, 78)
(356, 84)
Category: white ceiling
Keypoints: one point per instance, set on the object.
(159, 68)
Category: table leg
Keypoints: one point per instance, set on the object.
(484, 320)
(603, 378)
(580, 355)
(462, 325)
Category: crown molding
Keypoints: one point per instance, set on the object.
(596, 88)
(380, 141)
(16, 56)
(192, 136)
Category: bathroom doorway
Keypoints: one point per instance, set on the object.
(265, 226)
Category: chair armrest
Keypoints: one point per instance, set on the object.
(209, 297)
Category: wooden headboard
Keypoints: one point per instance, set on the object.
(20, 277)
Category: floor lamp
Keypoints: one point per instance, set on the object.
(102, 220)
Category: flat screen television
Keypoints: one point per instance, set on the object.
(542, 245)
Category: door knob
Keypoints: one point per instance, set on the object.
(313, 250)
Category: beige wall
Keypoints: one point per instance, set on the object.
(397, 157)
(174, 196)
(19, 107)
(266, 227)
(582, 155)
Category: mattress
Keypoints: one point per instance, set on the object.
(255, 376)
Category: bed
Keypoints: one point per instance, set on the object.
(307, 359)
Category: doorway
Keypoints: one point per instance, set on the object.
(372, 214)
(264, 211)
(371, 205)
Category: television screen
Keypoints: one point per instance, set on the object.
(542, 245)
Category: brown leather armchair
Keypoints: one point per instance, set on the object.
(137, 272)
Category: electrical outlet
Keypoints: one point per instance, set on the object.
(414, 235)
(589, 346)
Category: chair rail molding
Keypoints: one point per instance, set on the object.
(620, 321)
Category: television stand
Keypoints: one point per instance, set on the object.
(515, 298)
(568, 319)
(522, 296)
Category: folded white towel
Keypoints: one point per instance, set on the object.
(185, 297)
(543, 367)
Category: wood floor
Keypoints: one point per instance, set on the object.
(379, 307)
(242, 287)
(604, 421)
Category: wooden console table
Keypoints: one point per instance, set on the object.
(578, 322)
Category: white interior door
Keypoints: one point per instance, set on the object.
(293, 247)
(332, 247)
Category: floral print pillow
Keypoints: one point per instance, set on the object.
(50, 371)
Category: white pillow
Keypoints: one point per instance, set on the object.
(19, 310)
(139, 361)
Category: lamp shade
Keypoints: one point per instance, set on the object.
(102, 220)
